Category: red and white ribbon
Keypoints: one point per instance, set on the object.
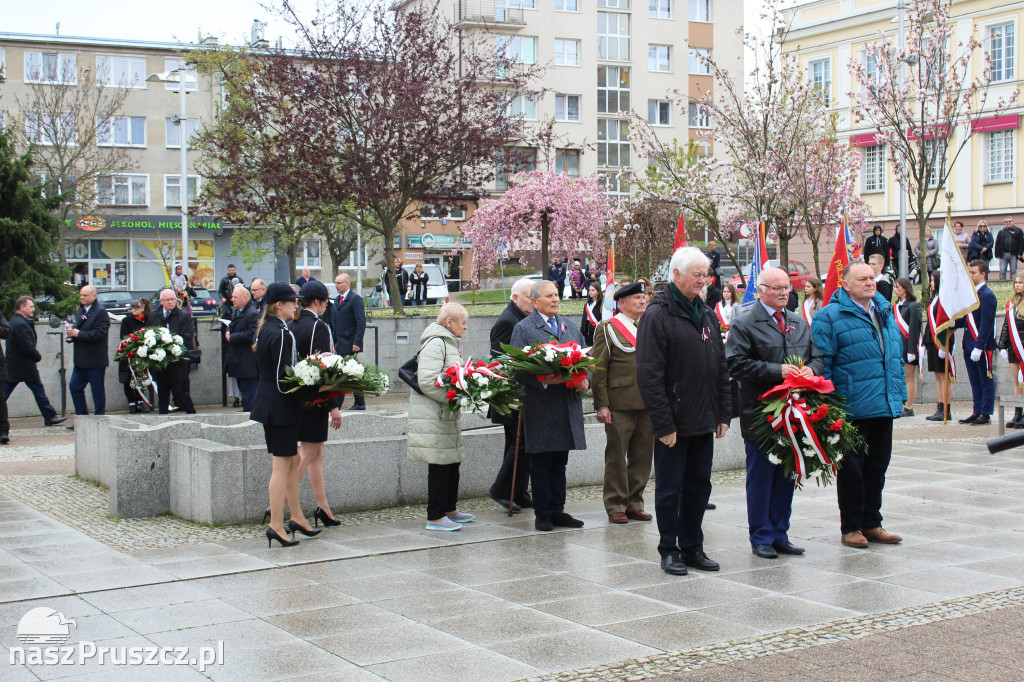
(935, 337)
(1015, 340)
(795, 412)
(986, 355)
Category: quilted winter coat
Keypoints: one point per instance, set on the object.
(435, 436)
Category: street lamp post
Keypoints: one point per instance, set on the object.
(900, 9)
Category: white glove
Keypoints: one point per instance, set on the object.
(976, 355)
(911, 357)
(1004, 355)
(942, 354)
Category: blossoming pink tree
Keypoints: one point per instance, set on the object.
(558, 213)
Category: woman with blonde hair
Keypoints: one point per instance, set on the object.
(1011, 344)
(435, 435)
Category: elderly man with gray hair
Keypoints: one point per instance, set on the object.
(683, 379)
(513, 463)
(240, 359)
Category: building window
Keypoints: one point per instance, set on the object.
(614, 4)
(567, 107)
(874, 168)
(567, 161)
(52, 186)
(698, 117)
(567, 6)
(1002, 44)
(613, 36)
(660, 9)
(938, 166)
(567, 52)
(821, 78)
(520, 49)
(51, 68)
(354, 260)
(174, 132)
(612, 89)
(615, 188)
(659, 112)
(308, 254)
(659, 58)
(513, 160)
(123, 190)
(44, 129)
(700, 10)
(172, 190)
(612, 142)
(191, 76)
(122, 72)
(442, 212)
(999, 159)
(121, 131)
(699, 57)
(524, 107)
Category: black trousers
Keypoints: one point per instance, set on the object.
(5, 425)
(547, 473)
(861, 477)
(502, 486)
(442, 489)
(682, 487)
(181, 397)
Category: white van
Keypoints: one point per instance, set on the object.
(437, 285)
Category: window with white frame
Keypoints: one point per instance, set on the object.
(522, 49)
(821, 78)
(51, 68)
(123, 190)
(121, 131)
(172, 190)
(512, 160)
(567, 107)
(698, 116)
(524, 107)
(354, 260)
(1002, 50)
(567, 161)
(567, 6)
(659, 58)
(700, 10)
(938, 165)
(659, 112)
(613, 36)
(660, 9)
(614, 4)
(612, 142)
(873, 168)
(567, 52)
(3, 62)
(44, 129)
(699, 65)
(122, 72)
(999, 158)
(612, 89)
(442, 212)
(52, 185)
(615, 188)
(307, 255)
(933, 62)
(173, 131)
(191, 76)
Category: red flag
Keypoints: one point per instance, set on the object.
(840, 261)
(680, 234)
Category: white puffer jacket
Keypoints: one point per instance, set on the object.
(435, 436)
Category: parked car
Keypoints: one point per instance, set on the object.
(204, 304)
(115, 302)
(798, 275)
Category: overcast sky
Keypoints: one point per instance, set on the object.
(174, 21)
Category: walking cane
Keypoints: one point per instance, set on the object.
(515, 467)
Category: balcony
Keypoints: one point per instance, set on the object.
(489, 13)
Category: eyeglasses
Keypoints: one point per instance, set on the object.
(777, 290)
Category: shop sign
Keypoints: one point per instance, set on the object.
(95, 222)
(438, 242)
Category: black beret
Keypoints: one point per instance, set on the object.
(279, 291)
(630, 289)
(314, 289)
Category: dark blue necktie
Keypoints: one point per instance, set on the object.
(554, 326)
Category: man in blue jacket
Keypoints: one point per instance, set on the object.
(979, 342)
(863, 352)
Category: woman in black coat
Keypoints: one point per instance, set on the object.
(279, 412)
(593, 311)
(134, 321)
(313, 335)
(1014, 312)
(908, 313)
(937, 359)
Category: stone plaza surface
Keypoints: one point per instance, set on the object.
(386, 599)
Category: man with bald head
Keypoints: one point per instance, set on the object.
(760, 343)
(88, 333)
(259, 290)
(863, 352)
(347, 320)
(240, 359)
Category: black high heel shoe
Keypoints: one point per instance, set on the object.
(272, 535)
(293, 527)
(266, 515)
(320, 515)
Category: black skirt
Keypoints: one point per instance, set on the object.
(313, 426)
(282, 441)
(935, 363)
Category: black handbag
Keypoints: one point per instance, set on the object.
(195, 356)
(409, 373)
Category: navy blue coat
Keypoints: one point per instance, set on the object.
(91, 350)
(981, 246)
(984, 320)
(275, 350)
(348, 321)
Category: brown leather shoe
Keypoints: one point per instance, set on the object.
(855, 539)
(639, 515)
(882, 535)
(618, 517)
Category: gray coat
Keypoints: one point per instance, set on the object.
(435, 435)
(552, 415)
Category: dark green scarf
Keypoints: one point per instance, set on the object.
(692, 309)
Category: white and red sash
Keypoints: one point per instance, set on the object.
(901, 323)
(1016, 343)
(934, 332)
(805, 313)
(986, 355)
(590, 313)
(720, 313)
(626, 327)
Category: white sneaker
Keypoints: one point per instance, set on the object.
(444, 524)
(461, 517)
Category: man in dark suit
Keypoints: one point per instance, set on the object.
(89, 337)
(173, 379)
(713, 295)
(258, 289)
(348, 323)
(876, 243)
(240, 360)
(979, 342)
(22, 358)
(501, 490)
(552, 413)
(556, 274)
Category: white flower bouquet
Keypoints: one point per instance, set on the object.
(149, 350)
(342, 374)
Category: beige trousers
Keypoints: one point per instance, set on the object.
(627, 460)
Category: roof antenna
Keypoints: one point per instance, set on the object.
(58, 28)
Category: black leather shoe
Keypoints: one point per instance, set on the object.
(982, 420)
(969, 420)
(504, 503)
(56, 420)
(4, 439)
(526, 502)
(764, 551)
(787, 548)
(673, 564)
(711, 505)
(699, 560)
(543, 523)
(565, 521)
(358, 408)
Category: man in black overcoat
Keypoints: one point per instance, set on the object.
(173, 379)
(22, 358)
(89, 337)
(347, 320)
(240, 359)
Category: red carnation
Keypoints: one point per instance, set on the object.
(819, 413)
(566, 362)
(134, 337)
(576, 356)
(450, 372)
(769, 418)
(451, 394)
(130, 354)
(837, 425)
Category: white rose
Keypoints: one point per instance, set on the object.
(832, 440)
(143, 351)
(178, 339)
(175, 350)
(149, 334)
(166, 337)
(486, 394)
(464, 402)
(151, 342)
(774, 460)
(158, 355)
